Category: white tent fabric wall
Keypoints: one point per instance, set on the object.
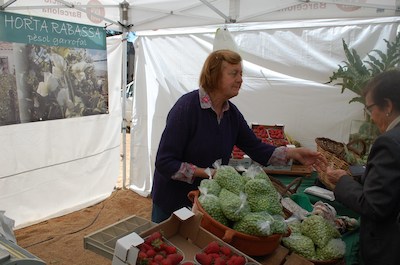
(285, 68)
(51, 168)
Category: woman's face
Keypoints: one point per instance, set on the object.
(231, 79)
(378, 115)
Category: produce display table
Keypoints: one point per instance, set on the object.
(351, 238)
(295, 170)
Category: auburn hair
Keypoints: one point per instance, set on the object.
(212, 68)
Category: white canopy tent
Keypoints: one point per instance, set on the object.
(289, 49)
(161, 14)
(286, 67)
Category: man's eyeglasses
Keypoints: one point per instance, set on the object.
(368, 108)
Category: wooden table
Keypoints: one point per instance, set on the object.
(297, 170)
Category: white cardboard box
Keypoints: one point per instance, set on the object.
(126, 250)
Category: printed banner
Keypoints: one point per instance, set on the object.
(50, 69)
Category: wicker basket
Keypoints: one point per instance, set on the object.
(286, 190)
(335, 153)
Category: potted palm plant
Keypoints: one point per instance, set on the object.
(354, 75)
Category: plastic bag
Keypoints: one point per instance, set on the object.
(211, 205)
(228, 178)
(256, 224)
(234, 207)
(6, 227)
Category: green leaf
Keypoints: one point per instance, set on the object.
(355, 73)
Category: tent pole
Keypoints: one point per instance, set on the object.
(124, 15)
(4, 6)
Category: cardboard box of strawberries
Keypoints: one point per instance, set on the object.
(271, 134)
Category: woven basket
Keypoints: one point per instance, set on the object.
(286, 190)
(335, 153)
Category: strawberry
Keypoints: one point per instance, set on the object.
(151, 253)
(155, 235)
(214, 255)
(144, 247)
(166, 262)
(212, 247)
(175, 258)
(157, 243)
(226, 251)
(219, 261)
(240, 260)
(236, 260)
(162, 253)
(145, 261)
(142, 259)
(158, 258)
(204, 259)
(168, 248)
(142, 255)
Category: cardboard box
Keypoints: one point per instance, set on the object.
(272, 134)
(184, 231)
(126, 250)
(243, 162)
(104, 240)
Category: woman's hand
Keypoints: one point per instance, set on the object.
(335, 174)
(308, 157)
(205, 173)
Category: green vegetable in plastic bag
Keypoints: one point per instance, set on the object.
(255, 223)
(234, 207)
(294, 225)
(300, 244)
(228, 178)
(334, 249)
(256, 172)
(211, 205)
(279, 225)
(262, 196)
(211, 185)
(319, 230)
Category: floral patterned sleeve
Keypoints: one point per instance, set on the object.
(185, 173)
(279, 157)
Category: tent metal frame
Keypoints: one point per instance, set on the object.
(125, 28)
